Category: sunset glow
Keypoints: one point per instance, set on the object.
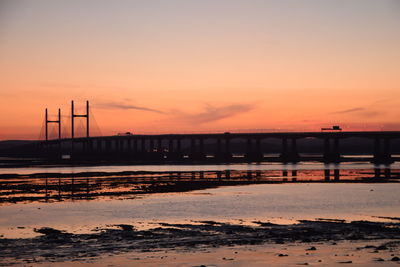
(198, 66)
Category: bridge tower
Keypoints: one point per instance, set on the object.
(52, 121)
(73, 116)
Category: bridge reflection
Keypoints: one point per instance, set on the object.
(116, 185)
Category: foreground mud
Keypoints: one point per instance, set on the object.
(54, 245)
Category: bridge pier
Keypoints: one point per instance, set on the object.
(223, 154)
(289, 154)
(153, 153)
(382, 154)
(174, 152)
(196, 152)
(254, 154)
(331, 155)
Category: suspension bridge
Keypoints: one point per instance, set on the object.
(207, 147)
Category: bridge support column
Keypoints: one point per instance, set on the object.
(173, 151)
(135, 147)
(201, 146)
(171, 146)
(259, 155)
(218, 153)
(192, 148)
(331, 154)
(289, 155)
(158, 146)
(228, 154)
(108, 146)
(130, 145)
(142, 145)
(382, 155)
(254, 154)
(152, 147)
(179, 153)
(197, 152)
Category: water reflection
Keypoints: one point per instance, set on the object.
(59, 187)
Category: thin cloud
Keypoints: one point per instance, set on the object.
(360, 112)
(212, 113)
(116, 105)
(352, 110)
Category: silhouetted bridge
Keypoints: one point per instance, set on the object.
(218, 147)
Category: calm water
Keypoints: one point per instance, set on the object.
(277, 202)
(215, 167)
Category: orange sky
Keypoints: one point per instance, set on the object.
(195, 66)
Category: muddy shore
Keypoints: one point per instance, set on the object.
(55, 245)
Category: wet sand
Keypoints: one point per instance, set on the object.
(352, 253)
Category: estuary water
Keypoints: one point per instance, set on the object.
(281, 193)
(215, 167)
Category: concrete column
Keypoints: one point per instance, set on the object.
(170, 145)
(201, 146)
(108, 145)
(179, 145)
(377, 147)
(327, 147)
(382, 155)
(294, 146)
(219, 147)
(90, 145)
(119, 145)
(192, 146)
(228, 146)
(284, 146)
(130, 144)
(142, 145)
(258, 146)
(249, 146)
(289, 155)
(135, 145)
(386, 147)
(336, 146)
(159, 145)
(152, 144)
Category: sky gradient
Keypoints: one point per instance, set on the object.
(172, 66)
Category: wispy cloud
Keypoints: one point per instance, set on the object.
(211, 113)
(119, 105)
(352, 110)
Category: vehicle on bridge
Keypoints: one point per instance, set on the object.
(333, 128)
(125, 134)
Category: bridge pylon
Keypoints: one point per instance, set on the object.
(52, 121)
(73, 116)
